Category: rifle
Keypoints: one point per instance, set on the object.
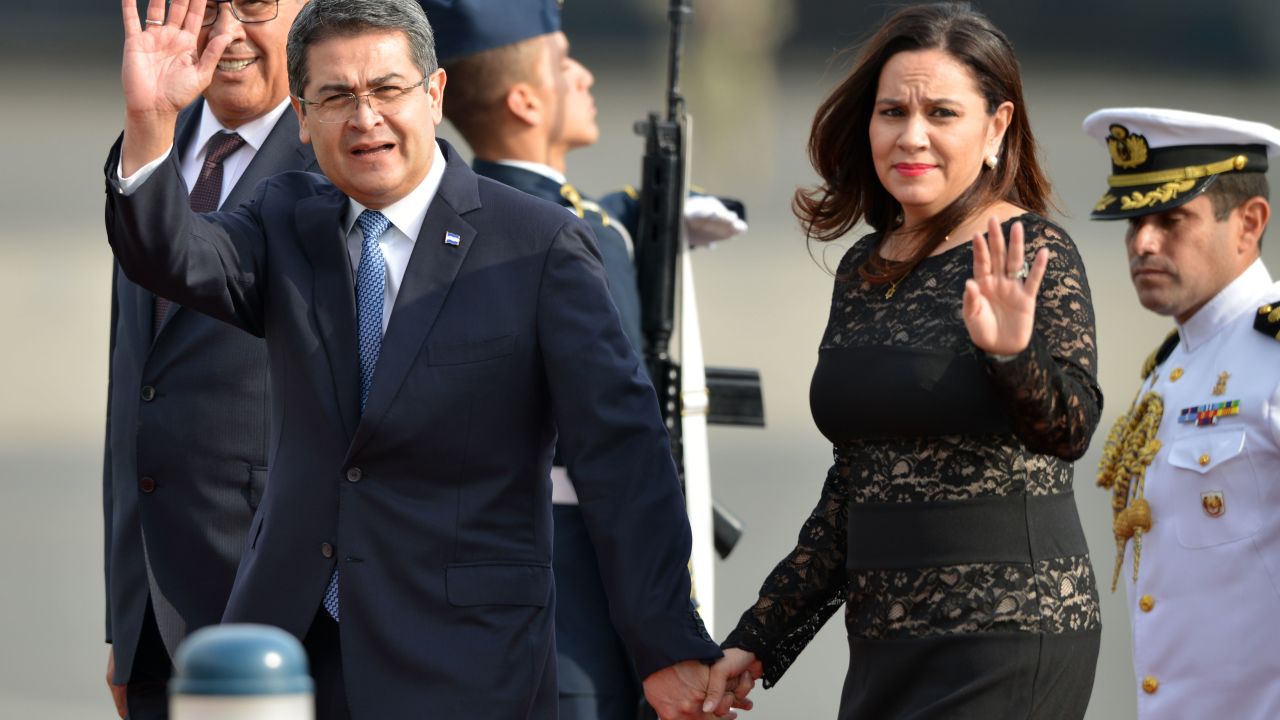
(689, 394)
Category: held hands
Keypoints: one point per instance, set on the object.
(691, 690)
(1000, 299)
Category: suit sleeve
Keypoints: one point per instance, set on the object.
(107, 493)
(617, 450)
(214, 263)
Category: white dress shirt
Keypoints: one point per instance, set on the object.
(254, 132)
(406, 215)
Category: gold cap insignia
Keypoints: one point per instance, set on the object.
(1214, 504)
(1127, 149)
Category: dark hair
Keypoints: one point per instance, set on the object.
(323, 19)
(479, 83)
(1231, 190)
(840, 150)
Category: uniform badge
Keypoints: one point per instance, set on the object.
(1221, 387)
(1214, 504)
(453, 239)
(1128, 150)
(1208, 414)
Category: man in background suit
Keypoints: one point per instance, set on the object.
(186, 441)
(429, 332)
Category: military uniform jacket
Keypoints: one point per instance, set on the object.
(1206, 643)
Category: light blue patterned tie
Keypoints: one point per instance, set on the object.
(371, 287)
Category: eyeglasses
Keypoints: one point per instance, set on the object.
(340, 107)
(246, 11)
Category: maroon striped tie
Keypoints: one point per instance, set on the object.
(204, 198)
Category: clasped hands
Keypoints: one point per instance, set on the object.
(692, 690)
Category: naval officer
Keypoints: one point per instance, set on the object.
(1193, 466)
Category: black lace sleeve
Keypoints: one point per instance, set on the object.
(805, 589)
(1051, 386)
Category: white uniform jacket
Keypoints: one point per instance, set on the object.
(1205, 609)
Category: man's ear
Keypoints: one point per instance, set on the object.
(524, 103)
(1254, 214)
(304, 135)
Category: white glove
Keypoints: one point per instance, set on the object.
(707, 220)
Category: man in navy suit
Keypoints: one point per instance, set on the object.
(186, 439)
(429, 331)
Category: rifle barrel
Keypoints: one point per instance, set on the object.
(677, 14)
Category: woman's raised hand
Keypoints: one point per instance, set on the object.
(1000, 298)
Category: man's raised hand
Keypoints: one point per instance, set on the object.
(162, 72)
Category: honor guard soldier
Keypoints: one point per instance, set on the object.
(1193, 466)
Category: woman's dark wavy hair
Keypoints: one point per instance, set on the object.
(840, 149)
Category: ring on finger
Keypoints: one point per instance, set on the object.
(1021, 274)
(154, 22)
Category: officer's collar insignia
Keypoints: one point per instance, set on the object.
(1268, 320)
(1209, 413)
(1213, 502)
(1128, 150)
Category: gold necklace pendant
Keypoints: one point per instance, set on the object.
(893, 287)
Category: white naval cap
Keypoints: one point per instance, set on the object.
(1162, 158)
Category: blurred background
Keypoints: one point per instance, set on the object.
(755, 72)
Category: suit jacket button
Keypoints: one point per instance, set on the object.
(148, 393)
(354, 475)
(326, 550)
(147, 485)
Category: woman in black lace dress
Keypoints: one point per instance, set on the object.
(956, 379)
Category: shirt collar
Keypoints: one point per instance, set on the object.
(254, 132)
(1241, 295)
(409, 212)
(544, 170)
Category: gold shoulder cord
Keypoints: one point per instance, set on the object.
(1130, 448)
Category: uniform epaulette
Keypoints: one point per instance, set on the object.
(1160, 354)
(581, 206)
(1268, 320)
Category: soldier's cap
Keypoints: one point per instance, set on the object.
(1161, 159)
(468, 27)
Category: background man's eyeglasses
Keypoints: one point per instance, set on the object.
(246, 11)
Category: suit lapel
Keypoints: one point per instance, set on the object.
(333, 304)
(433, 266)
(188, 121)
(279, 153)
